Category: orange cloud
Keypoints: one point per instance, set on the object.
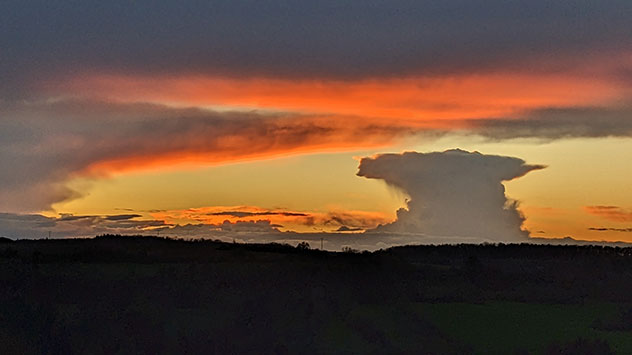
(326, 115)
(253, 140)
(413, 101)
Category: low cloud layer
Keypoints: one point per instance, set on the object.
(342, 221)
(245, 222)
(66, 225)
(35, 226)
(452, 194)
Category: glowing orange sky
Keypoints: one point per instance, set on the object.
(343, 107)
(364, 114)
(412, 101)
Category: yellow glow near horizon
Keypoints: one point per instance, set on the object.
(319, 183)
(580, 172)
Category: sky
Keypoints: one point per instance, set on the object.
(365, 123)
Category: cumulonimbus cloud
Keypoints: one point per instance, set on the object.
(452, 194)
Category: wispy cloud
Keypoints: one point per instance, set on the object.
(241, 214)
(45, 144)
(610, 229)
(419, 101)
(613, 213)
(558, 122)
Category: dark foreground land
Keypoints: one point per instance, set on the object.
(149, 295)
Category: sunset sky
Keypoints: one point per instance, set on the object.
(251, 119)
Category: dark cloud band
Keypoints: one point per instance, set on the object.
(306, 39)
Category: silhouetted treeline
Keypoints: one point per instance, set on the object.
(120, 294)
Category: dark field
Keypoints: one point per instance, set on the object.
(150, 296)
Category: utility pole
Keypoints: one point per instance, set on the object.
(48, 234)
(321, 243)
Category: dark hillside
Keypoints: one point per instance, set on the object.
(115, 294)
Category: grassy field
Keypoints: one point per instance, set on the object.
(490, 328)
(503, 327)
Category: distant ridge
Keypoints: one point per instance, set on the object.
(573, 241)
